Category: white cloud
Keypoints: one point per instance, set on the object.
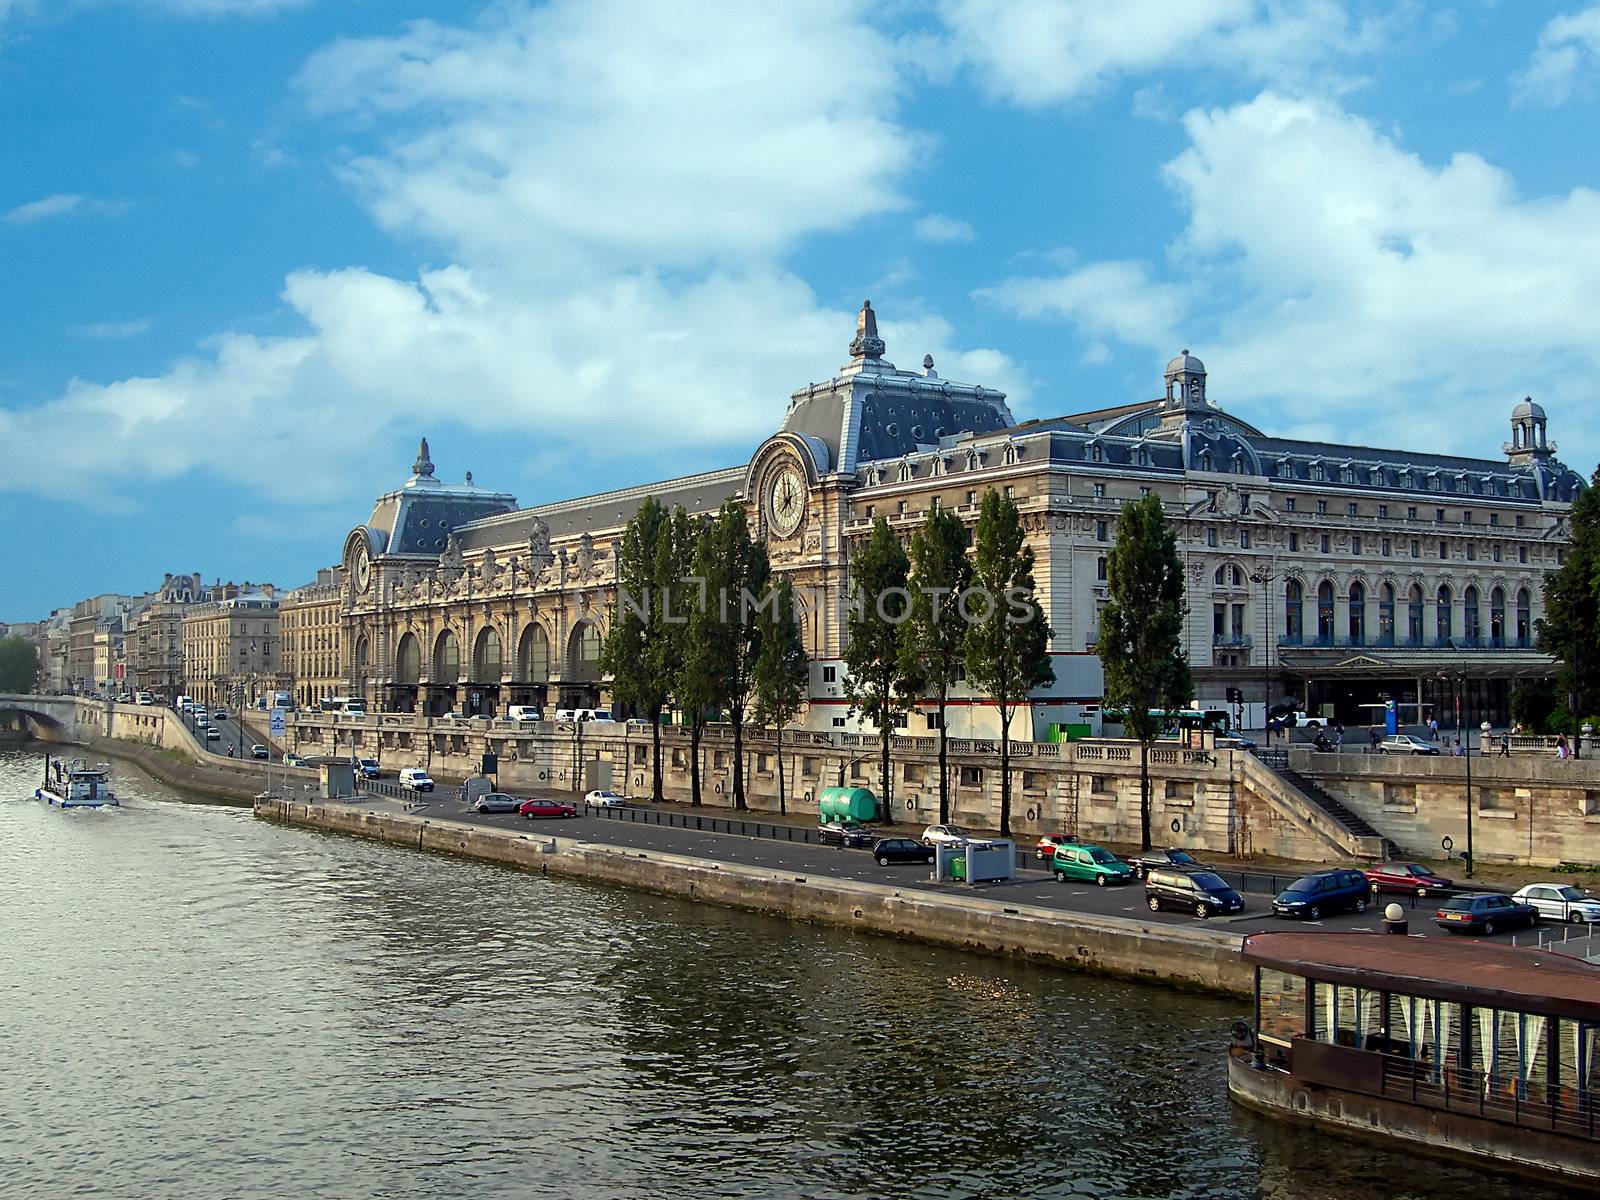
(1105, 299)
(615, 229)
(938, 228)
(60, 205)
(1565, 60)
(115, 330)
(1039, 52)
(1344, 278)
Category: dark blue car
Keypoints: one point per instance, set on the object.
(1315, 896)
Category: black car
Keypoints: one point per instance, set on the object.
(900, 850)
(845, 833)
(1154, 860)
(1199, 892)
(1315, 896)
(1485, 914)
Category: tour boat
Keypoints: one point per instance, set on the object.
(1443, 1045)
(76, 785)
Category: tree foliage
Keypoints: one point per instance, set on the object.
(19, 665)
(1569, 630)
(933, 646)
(874, 671)
(1007, 640)
(632, 653)
(783, 669)
(1141, 632)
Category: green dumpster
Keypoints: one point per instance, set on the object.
(847, 804)
(958, 868)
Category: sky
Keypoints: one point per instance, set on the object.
(252, 250)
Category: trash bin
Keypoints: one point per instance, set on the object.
(958, 868)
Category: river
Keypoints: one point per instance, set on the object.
(198, 1004)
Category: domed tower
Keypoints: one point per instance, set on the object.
(1186, 384)
(1528, 444)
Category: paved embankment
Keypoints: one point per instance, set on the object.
(1192, 958)
(237, 785)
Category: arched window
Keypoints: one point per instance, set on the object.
(1414, 616)
(533, 655)
(1293, 611)
(446, 659)
(1386, 615)
(1442, 608)
(584, 653)
(408, 660)
(363, 652)
(1358, 614)
(1325, 611)
(1524, 618)
(1497, 617)
(486, 658)
(1469, 615)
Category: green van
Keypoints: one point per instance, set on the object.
(1092, 864)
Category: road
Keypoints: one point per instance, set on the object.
(234, 736)
(1033, 886)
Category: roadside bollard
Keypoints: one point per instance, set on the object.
(1394, 919)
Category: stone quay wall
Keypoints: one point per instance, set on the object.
(1529, 808)
(1194, 959)
(1222, 800)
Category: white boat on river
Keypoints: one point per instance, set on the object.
(76, 785)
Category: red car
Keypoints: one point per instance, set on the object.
(546, 808)
(1412, 879)
(1045, 848)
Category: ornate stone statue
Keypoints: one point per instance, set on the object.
(538, 546)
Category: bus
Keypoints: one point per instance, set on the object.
(1174, 722)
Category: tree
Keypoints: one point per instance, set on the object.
(1140, 646)
(1569, 630)
(695, 681)
(726, 630)
(783, 670)
(874, 632)
(641, 675)
(1007, 636)
(934, 645)
(19, 665)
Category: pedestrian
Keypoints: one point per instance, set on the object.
(1505, 745)
(1433, 729)
(1455, 751)
(1562, 750)
(1372, 739)
(1338, 735)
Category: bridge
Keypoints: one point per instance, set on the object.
(52, 718)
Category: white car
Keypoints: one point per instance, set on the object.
(1560, 902)
(934, 835)
(1304, 720)
(415, 779)
(1407, 743)
(605, 799)
(497, 802)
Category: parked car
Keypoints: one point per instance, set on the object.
(257, 750)
(294, 760)
(524, 712)
(367, 768)
(1092, 864)
(213, 734)
(1045, 848)
(1407, 743)
(1485, 913)
(1412, 879)
(933, 835)
(415, 779)
(546, 808)
(1560, 902)
(604, 798)
(1151, 860)
(497, 802)
(1317, 895)
(846, 833)
(900, 850)
(1199, 892)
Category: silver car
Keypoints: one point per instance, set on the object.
(496, 802)
(951, 835)
(1560, 902)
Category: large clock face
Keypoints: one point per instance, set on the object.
(363, 570)
(786, 501)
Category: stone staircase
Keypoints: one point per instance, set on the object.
(1331, 805)
(1312, 809)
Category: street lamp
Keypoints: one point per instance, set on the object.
(1453, 678)
(1263, 576)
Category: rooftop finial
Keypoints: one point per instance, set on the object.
(423, 467)
(867, 344)
(927, 367)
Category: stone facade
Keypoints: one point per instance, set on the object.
(311, 629)
(231, 650)
(1343, 575)
(154, 643)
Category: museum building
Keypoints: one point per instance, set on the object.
(1344, 576)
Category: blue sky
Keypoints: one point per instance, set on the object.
(253, 249)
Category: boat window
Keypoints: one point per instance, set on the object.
(1578, 1050)
(1428, 1031)
(1283, 1006)
(1508, 1048)
(1346, 1016)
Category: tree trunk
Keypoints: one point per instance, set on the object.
(779, 747)
(738, 758)
(1005, 770)
(1144, 795)
(885, 779)
(695, 726)
(944, 773)
(656, 791)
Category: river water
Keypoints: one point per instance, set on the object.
(195, 1003)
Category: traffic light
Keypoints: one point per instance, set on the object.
(1235, 696)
